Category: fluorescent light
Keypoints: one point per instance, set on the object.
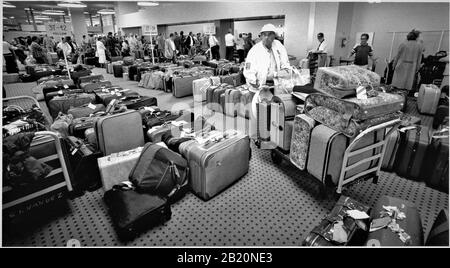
(53, 12)
(12, 17)
(6, 4)
(73, 4)
(42, 18)
(148, 4)
(106, 11)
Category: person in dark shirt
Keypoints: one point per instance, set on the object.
(362, 52)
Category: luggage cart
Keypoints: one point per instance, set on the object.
(278, 156)
(55, 186)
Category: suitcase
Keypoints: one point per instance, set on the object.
(301, 137)
(83, 165)
(91, 138)
(182, 86)
(64, 103)
(435, 165)
(246, 102)
(411, 224)
(119, 132)
(106, 95)
(86, 110)
(356, 230)
(90, 78)
(52, 57)
(109, 68)
(133, 212)
(217, 165)
(136, 102)
(77, 74)
(232, 79)
(117, 70)
(222, 102)
(440, 115)
(438, 235)
(411, 153)
(200, 86)
(79, 126)
(263, 121)
(127, 61)
(115, 168)
(282, 108)
(27, 78)
(428, 99)
(93, 61)
(116, 58)
(126, 76)
(38, 90)
(132, 72)
(232, 101)
(125, 70)
(51, 92)
(11, 78)
(89, 87)
(390, 154)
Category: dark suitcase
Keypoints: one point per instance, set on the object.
(132, 72)
(86, 110)
(117, 70)
(83, 165)
(133, 212)
(75, 75)
(90, 78)
(440, 115)
(91, 61)
(136, 102)
(438, 235)
(64, 103)
(413, 146)
(27, 78)
(263, 121)
(435, 165)
(390, 153)
(356, 230)
(89, 87)
(234, 79)
(411, 224)
(50, 92)
(117, 58)
(79, 125)
(105, 96)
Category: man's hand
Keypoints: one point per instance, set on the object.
(265, 93)
(283, 74)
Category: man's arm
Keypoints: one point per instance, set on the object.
(353, 51)
(250, 70)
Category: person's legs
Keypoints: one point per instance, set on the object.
(241, 55)
(11, 65)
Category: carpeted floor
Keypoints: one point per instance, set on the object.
(270, 206)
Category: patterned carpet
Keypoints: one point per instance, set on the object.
(270, 206)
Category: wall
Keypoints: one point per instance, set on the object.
(254, 26)
(325, 21)
(296, 17)
(343, 29)
(388, 17)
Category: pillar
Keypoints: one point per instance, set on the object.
(33, 20)
(78, 24)
(221, 31)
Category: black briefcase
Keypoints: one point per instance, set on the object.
(133, 213)
(136, 102)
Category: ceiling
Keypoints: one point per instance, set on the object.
(19, 13)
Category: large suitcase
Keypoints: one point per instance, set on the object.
(390, 153)
(86, 110)
(116, 58)
(11, 78)
(115, 168)
(117, 70)
(411, 153)
(89, 87)
(411, 224)
(93, 61)
(136, 102)
(75, 75)
(216, 165)
(133, 212)
(232, 101)
(435, 165)
(215, 100)
(199, 87)
(263, 121)
(61, 83)
(355, 230)
(234, 79)
(52, 57)
(282, 109)
(440, 115)
(438, 235)
(109, 68)
(106, 95)
(182, 86)
(428, 99)
(246, 101)
(301, 137)
(119, 132)
(64, 103)
(79, 126)
(51, 92)
(90, 78)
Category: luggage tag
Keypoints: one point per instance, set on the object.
(361, 93)
(91, 106)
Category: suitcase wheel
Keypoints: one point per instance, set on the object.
(276, 158)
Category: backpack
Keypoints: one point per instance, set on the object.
(159, 171)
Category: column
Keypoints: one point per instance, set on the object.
(221, 31)
(78, 24)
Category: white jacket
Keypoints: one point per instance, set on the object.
(258, 61)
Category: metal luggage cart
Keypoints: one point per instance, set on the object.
(53, 187)
(389, 127)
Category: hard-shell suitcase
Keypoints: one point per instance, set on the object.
(79, 126)
(199, 87)
(390, 154)
(428, 99)
(411, 153)
(64, 103)
(356, 230)
(86, 110)
(58, 90)
(440, 115)
(182, 86)
(435, 165)
(133, 212)
(222, 102)
(246, 101)
(109, 68)
(232, 79)
(77, 74)
(215, 100)
(115, 168)
(232, 101)
(263, 121)
(88, 87)
(117, 70)
(301, 137)
(136, 102)
(411, 224)
(438, 235)
(89, 78)
(282, 108)
(119, 132)
(216, 165)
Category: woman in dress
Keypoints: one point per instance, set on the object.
(101, 52)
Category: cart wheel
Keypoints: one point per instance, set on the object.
(250, 154)
(276, 158)
(258, 143)
(375, 180)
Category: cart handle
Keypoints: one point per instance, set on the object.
(59, 151)
(23, 97)
(372, 129)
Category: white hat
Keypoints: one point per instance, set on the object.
(269, 28)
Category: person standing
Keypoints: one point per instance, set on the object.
(125, 49)
(110, 47)
(10, 59)
(177, 41)
(229, 45)
(248, 44)
(240, 48)
(160, 42)
(362, 52)
(182, 43)
(170, 52)
(321, 51)
(214, 46)
(37, 51)
(48, 43)
(407, 62)
(189, 44)
(101, 52)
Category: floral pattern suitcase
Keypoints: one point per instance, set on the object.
(301, 137)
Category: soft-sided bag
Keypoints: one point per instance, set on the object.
(159, 171)
(438, 235)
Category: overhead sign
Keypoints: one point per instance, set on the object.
(58, 29)
(150, 29)
(209, 28)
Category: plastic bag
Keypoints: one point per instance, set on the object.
(299, 77)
